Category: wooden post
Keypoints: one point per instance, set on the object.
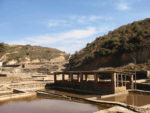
(78, 77)
(98, 78)
(86, 75)
(121, 80)
(95, 79)
(113, 82)
(62, 77)
(117, 81)
(131, 81)
(125, 80)
(55, 77)
(81, 78)
(71, 77)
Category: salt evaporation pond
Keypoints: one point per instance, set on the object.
(44, 104)
(134, 99)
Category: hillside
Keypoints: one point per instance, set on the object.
(115, 49)
(29, 54)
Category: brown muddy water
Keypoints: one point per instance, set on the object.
(131, 99)
(47, 104)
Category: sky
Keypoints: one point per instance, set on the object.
(67, 25)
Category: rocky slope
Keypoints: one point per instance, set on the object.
(116, 49)
(30, 54)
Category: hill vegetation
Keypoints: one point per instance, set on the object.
(21, 53)
(125, 39)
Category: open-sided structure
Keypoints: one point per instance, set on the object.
(100, 82)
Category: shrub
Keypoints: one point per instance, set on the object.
(135, 27)
(111, 43)
(104, 51)
(121, 30)
(2, 47)
(123, 40)
(75, 60)
(136, 39)
(92, 56)
(147, 32)
(140, 33)
(104, 37)
(129, 48)
(17, 58)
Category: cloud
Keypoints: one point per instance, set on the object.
(55, 38)
(122, 5)
(86, 19)
(54, 23)
(93, 18)
(69, 41)
(75, 20)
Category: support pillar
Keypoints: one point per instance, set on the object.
(62, 77)
(81, 78)
(117, 84)
(131, 82)
(78, 77)
(113, 82)
(95, 79)
(86, 76)
(55, 77)
(121, 80)
(71, 77)
(125, 80)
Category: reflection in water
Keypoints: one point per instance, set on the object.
(46, 104)
(131, 99)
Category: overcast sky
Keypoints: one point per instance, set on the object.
(67, 25)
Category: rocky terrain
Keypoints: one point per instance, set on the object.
(14, 54)
(116, 50)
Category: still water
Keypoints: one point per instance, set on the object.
(46, 104)
(131, 99)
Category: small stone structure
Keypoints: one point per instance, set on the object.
(118, 82)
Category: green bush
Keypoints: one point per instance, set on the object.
(137, 39)
(140, 33)
(147, 32)
(75, 60)
(104, 51)
(135, 27)
(17, 58)
(129, 48)
(111, 43)
(2, 47)
(123, 40)
(121, 30)
(92, 56)
(104, 37)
